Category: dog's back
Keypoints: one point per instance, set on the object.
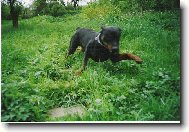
(85, 35)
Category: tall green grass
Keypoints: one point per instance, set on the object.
(36, 76)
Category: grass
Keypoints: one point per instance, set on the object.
(36, 76)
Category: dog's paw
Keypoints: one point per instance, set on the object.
(139, 61)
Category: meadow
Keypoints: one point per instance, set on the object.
(37, 77)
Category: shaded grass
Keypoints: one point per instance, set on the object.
(35, 54)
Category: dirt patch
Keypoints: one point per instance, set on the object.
(70, 111)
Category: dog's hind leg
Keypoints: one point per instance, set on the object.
(74, 43)
(126, 56)
(85, 60)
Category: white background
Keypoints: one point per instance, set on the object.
(183, 127)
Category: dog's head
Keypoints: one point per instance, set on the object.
(110, 38)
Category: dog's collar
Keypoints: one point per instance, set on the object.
(97, 38)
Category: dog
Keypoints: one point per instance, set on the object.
(99, 46)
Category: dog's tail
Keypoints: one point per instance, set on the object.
(77, 28)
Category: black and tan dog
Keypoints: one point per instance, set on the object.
(99, 46)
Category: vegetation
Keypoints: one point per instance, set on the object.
(36, 76)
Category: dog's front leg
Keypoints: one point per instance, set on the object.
(126, 56)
